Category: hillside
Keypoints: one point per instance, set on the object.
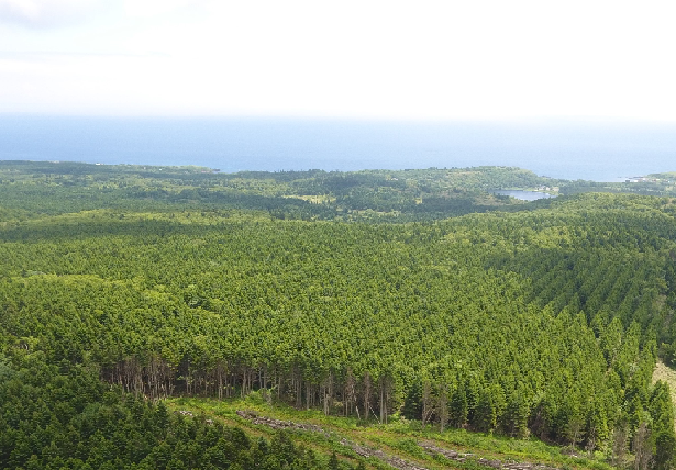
(369, 196)
(535, 323)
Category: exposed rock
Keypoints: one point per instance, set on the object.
(448, 453)
(277, 424)
(392, 460)
(491, 463)
(362, 451)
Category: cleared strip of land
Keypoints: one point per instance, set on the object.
(400, 444)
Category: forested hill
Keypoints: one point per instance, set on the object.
(543, 323)
(28, 188)
(375, 195)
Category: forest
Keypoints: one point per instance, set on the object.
(374, 295)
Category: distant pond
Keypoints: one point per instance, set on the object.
(526, 195)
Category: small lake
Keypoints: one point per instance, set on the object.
(527, 195)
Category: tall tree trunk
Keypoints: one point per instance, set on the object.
(243, 391)
(367, 393)
(308, 388)
(382, 400)
(220, 371)
(643, 454)
(330, 391)
(299, 389)
(279, 384)
(349, 392)
(428, 409)
(443, 406)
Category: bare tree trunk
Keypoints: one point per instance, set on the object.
(428, 409)
(243, 391)
(330, 392)
(387, 400)
(350, 392)
(642, 449)
(619, 444)
(189, 380)
(299, 384)
(443, 406)
(367, 392)
(279, 385)
(220, 370)
(308, 387)
(382, 400)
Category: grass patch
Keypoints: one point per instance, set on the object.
(399, 438)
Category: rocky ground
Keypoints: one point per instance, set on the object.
(394, 461)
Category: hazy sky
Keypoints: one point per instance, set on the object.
(385, 59)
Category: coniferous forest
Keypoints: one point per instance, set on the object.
(378, 296)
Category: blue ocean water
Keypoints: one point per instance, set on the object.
(600, 151)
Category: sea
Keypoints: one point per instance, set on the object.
(571, 149)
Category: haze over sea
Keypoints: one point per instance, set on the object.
(595, 150)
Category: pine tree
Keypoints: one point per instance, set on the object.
(333, 461)
(459, 406)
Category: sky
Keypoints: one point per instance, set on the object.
(426, 59)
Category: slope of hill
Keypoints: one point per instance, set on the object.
(544, 322)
